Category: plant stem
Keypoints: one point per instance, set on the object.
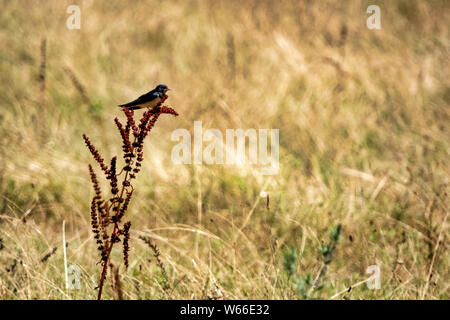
(105, 263)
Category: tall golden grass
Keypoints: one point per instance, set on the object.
(364, 144)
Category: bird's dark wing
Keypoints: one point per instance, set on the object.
(149, 96)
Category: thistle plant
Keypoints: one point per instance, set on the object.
(108, 212)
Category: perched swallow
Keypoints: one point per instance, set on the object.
(148, 100)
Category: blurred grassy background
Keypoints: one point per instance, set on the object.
(364, 143)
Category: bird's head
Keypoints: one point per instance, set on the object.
(162, 88)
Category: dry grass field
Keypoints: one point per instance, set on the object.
(363, 117)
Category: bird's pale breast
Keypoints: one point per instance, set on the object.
(151, 103)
